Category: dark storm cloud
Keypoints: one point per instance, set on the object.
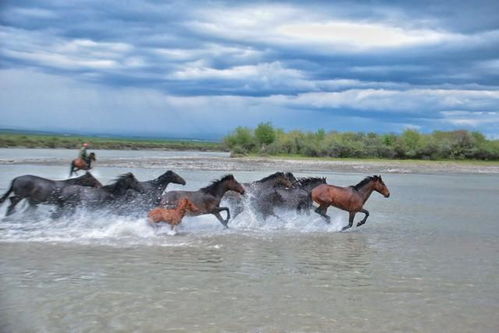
(399, 64)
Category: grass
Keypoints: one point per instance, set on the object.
(383, 160)
(71, 142)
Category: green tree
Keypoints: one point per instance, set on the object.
(265, 134)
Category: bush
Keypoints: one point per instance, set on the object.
(410, 144)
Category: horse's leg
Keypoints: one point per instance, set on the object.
(364, 219)
(13, 202)
(32, 207)
(321, 210)
(63, 210)
(217, 211)
(59, 210)
(350, 221)
(228, 213)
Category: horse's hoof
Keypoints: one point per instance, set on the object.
(345, 228)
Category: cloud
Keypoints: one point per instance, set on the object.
(340, 65)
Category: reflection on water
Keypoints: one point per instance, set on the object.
(425, 261)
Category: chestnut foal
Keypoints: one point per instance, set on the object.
(172, 216)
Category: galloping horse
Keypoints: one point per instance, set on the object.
(38, 190)
(206, 199)
(350, 198)
(296, 198)
(134, 201)
(258, 188)
(73, 195)
(171, 216)
(81, 164)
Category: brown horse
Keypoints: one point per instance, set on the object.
(207, 199)
(81, 164)
(171, 216)
(350, 198)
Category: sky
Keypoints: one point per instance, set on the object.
(198, 69)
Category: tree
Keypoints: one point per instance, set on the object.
(265, 134)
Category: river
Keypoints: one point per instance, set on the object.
(425, 261)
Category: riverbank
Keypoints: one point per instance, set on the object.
(27, 140)
(223, 162)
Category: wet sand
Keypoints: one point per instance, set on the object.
(226, 163)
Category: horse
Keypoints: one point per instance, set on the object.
(208, 198)
(351, 198)
(171, 216)
(258, 188)
(296, 198)
(38, 190)
(75, 195)
(153, 189)
(81, 164)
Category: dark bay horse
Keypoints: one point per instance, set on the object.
(152, 190)
(206, 199)
(258, 188)
(81, 164)
(38, 190)
(74, 195)
(351, 198)
(297, 198)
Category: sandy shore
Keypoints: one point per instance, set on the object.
(272, 164)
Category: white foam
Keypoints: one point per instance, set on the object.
(109, 229)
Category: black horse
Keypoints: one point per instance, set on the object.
(206, 199)
(152, 191)
(257, 188)
(73, 196)
(297, 198)
(38, 190)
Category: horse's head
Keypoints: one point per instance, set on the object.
(128, 181)
(233, 185)
(379, 186)
(188, 205)
(278, 179)
(172, 177)
(91, 156)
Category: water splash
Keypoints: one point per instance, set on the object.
(100, 227)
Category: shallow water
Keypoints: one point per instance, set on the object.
(425, 261)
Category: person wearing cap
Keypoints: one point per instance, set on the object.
(83, 152)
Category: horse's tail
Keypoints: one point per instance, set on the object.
(6, 195)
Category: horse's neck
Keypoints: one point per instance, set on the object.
(267, 184)
(116, 188)
(310, 186)
(366, 191)
(219, 190)
(181, 210)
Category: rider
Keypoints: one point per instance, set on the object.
(83, 152)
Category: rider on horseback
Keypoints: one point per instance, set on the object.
(83, 153)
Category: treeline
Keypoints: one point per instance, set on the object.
(411, 144)
(74, 142)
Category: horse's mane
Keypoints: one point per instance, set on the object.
(124, 176)
(271, 177)
(210, 189)
(121, 178)
(308, 180)
(364, 182)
